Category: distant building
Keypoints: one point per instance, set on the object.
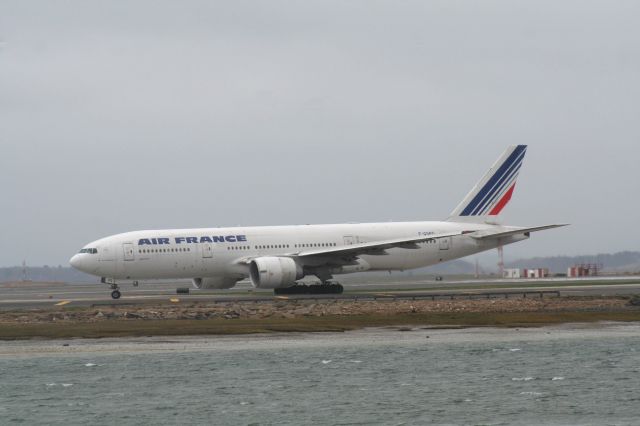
(526, 273)
(536, 273)
(512, 273)
(584, 270)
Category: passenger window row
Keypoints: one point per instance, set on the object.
(169, 250)
(281, 246)
(272, 246)
(260, 247)
(316, 245)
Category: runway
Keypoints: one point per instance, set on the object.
(34, 295)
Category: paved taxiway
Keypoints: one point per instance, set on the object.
(30, 295)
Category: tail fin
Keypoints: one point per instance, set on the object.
(493, 191)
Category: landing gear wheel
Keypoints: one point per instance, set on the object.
(324, 288)
(115, 294)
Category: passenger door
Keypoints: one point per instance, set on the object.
(350, 240)
(128, 251)
(207, 250)
(445, 243)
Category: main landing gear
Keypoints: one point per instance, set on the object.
(324, 288)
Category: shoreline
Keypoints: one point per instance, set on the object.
(293, 315)
(372, 336)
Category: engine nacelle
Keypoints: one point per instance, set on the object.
(274, 272)
(215, 282)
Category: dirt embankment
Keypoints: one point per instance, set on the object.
(291, 309)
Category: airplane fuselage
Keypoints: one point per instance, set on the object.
(205, 252)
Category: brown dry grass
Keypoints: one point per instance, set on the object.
(168, 327)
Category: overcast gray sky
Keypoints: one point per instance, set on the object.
(125, 115)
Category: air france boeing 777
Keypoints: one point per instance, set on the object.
(275, 257)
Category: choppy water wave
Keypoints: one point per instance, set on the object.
(471, 376)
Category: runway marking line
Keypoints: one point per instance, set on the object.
(64, 302)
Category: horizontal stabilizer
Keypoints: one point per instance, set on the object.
(490, 234)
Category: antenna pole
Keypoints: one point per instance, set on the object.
(501, 260)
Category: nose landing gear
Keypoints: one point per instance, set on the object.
(115, 294)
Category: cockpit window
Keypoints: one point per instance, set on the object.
(89, 250)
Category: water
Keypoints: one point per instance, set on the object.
(554, 375)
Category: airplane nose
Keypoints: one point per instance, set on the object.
(76, 261)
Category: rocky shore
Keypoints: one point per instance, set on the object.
(292, 309)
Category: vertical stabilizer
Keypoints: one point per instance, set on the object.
(492, 193)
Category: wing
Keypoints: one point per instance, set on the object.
(346, 254)
(375, 247)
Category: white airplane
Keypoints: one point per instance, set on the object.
(275, 257)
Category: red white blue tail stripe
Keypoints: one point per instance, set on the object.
(494, 191)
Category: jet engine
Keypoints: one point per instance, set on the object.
(274, 272)
(215, 282)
